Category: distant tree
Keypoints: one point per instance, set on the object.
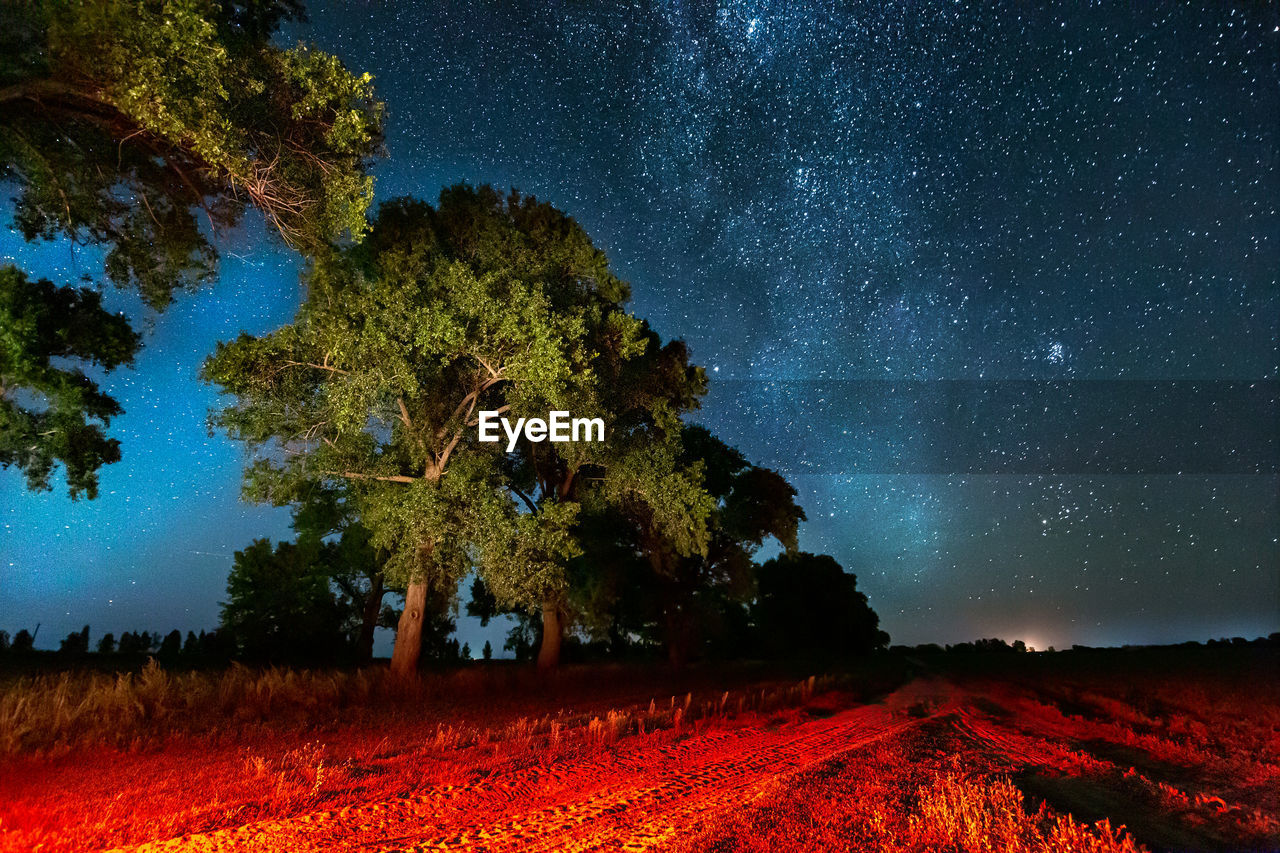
(107, 645)
(808, 605)
(488, 650)
(1019, 646)
(466, 651)
(170, 648)
(356, 567)
(218, 646)
(4, 641)
(192, 648)
(279, 605)
(76, 643)
(23, 641)
(128, 644)
(523, 639)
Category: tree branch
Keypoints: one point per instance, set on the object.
(320, 367)
(395, 478)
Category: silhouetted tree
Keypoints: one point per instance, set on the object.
(636, 584)
(23, 641)
(107, 645)
(192, 649)
(327, 514)
(170, 648)
(218, 646)
(279, 605)
(76, 643)
(807, 604)
(488, 650)
(4, 641)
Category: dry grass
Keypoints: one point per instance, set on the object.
(1036, 758)
(962, 814)
(81, 709)
(60, 712)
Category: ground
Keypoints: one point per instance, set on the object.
(1105, 751)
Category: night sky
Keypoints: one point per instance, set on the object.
(996, 287)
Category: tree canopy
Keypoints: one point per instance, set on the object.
(145, 128)
(279, 603)
(808, 605)
(51, 412)
(637, 582)
(482, 302)
(122, 123)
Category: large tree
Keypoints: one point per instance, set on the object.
(638, 582)
(641, 396)
(146, 127)
(480, 303)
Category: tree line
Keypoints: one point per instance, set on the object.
(146, 129)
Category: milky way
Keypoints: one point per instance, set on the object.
(996, 287)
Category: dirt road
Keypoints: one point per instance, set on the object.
(645, 790)
(630, 798)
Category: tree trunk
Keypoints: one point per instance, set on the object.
(372, 609)
(408, 647)
(549, 651)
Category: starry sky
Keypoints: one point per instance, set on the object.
(995, 284)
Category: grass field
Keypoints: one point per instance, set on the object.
(1107, 751)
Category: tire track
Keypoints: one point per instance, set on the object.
(632, 798)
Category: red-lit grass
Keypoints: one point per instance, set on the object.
(1028, 754)
(172, 783)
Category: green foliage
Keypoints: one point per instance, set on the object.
(482, 302)
(641, 580)
(51, 414)
(121, 120)
(142, 127)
